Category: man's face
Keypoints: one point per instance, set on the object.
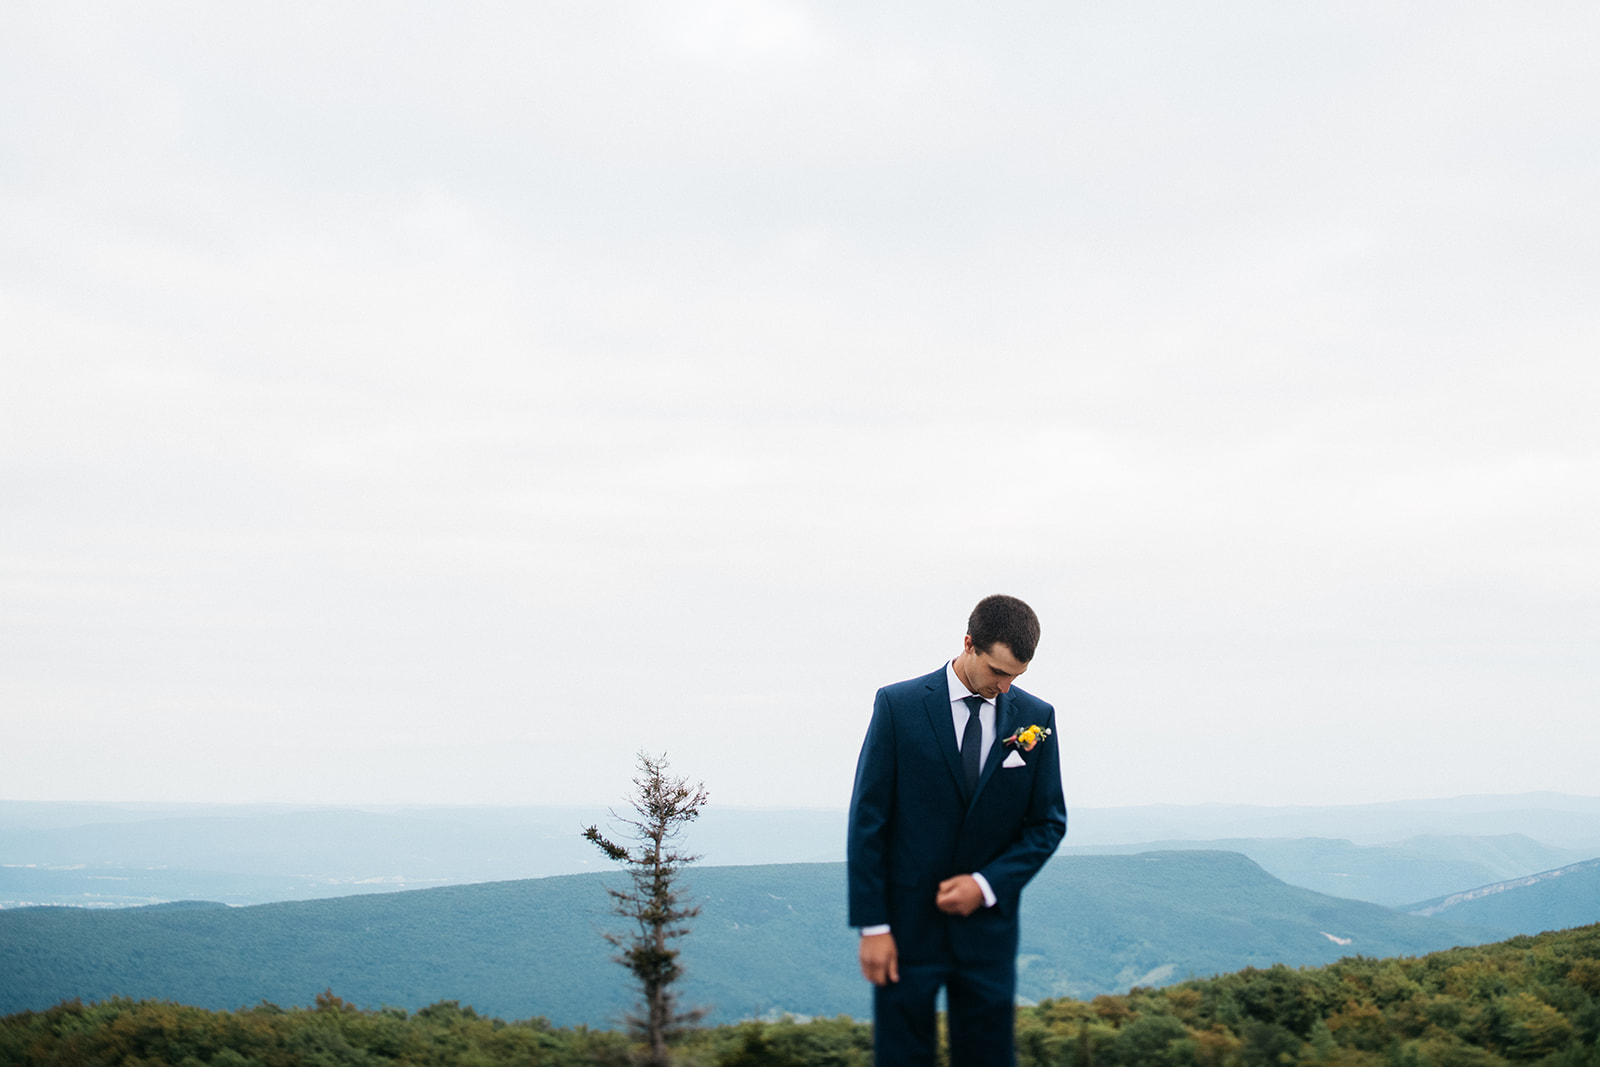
(988, 673)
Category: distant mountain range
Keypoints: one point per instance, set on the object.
(770, 938)
(1558, 819)
(117, 855)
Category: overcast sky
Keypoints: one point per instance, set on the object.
(438, 403)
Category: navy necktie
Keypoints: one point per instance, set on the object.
(972, 743)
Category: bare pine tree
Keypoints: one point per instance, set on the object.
(657, 905)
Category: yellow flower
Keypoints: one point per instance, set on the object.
(1028, 737)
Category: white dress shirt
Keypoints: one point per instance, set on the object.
(959, 713)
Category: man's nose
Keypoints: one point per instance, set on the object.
(1005, 685)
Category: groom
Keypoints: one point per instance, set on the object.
(957, 804)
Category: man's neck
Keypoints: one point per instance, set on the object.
(962, 674)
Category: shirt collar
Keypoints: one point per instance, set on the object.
(958, 688)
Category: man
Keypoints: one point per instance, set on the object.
(954, 810)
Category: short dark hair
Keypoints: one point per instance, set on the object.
(1006, 620)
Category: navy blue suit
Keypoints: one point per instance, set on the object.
(912, 825)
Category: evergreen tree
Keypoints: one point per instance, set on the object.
(655, 902)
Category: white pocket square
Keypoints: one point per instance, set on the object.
(1014, 760)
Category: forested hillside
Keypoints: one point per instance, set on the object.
(771, 938)
(1527, 1000)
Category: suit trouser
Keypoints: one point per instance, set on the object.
(981, 1015)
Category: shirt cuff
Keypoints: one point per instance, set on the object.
(869, 931)
(988, 894)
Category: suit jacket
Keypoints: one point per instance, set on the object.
(912, 824)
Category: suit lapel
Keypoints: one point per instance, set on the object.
(943, 724)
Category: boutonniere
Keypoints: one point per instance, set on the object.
(1026, 738)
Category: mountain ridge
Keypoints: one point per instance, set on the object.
(1556, 899)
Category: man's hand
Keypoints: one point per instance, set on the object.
(880, 960)
(959, 895)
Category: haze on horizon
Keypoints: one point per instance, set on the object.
(437, 405)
